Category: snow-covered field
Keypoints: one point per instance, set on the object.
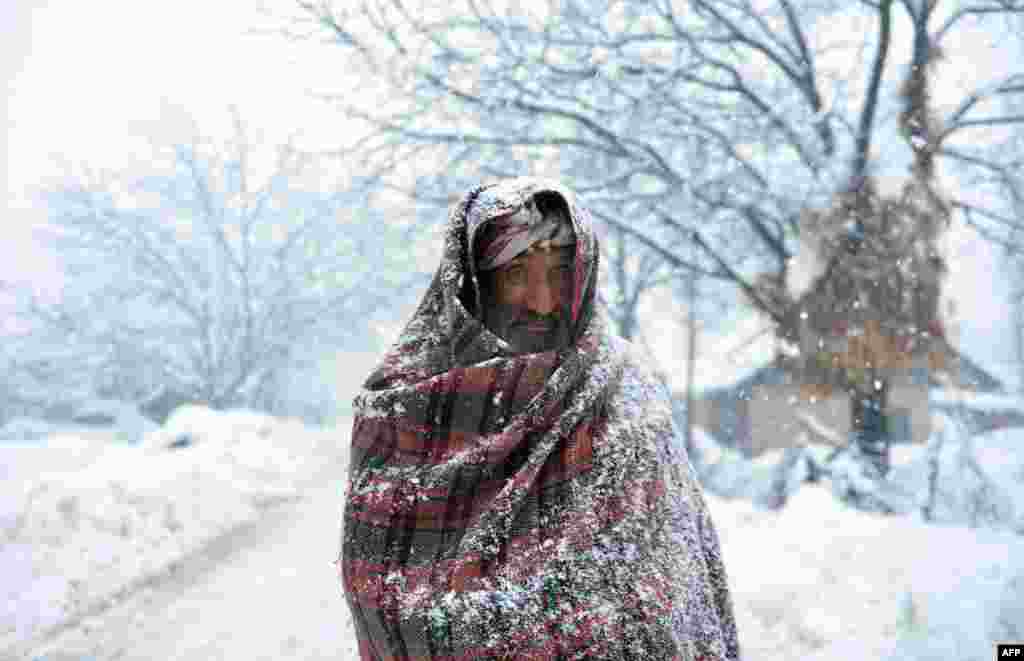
(814, 581)
(817, 581)
(820, 580)
(83, 516)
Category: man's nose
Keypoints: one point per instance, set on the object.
(542, 299)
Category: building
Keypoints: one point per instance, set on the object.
(768, 408)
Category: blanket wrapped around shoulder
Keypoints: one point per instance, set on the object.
(537, 506)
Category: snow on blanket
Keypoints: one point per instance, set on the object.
(83, 517)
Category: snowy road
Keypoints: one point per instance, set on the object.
(813, 581)
(266, 591)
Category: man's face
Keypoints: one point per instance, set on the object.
(524, 298)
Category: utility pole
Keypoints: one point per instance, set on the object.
(1016, 260)
(691, 357)
(1017, 300)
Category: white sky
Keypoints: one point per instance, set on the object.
(87, 80)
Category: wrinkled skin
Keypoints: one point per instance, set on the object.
(526, 301)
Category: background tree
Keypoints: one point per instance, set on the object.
(692, 109)
(723, 124)
(1006, 229)
(210, 277)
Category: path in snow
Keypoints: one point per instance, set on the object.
(265, 591)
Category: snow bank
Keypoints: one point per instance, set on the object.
(979, 478)
(83, 517)
(979, 401)
(119, 421)
(123, 418)
(23, 429)
(819, 581)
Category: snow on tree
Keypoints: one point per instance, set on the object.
(865, 300)
(698, 124)
(207, 279)
(752, 143)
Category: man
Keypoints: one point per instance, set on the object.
(517, 489)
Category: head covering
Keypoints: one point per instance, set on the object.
(506, 237)
(541, 223)
(526, 506)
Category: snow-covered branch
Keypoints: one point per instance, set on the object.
(206, 276)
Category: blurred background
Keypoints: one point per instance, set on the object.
(218, 216)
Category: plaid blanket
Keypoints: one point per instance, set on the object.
(524, 506)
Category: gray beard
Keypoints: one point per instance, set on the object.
(510, 322)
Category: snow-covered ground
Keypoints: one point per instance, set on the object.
(817, 581)
(820, 580)
(814, 581)
(84, 517)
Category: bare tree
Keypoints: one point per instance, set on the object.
(732, 125)
(208, 277)
(1006, 230)
(628, 277)
(694, 109)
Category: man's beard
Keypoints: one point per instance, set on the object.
(527, 331)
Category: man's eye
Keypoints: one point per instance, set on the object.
(515, 274)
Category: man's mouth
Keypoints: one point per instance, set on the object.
(538, 327)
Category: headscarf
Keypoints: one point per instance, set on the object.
(506, 237)
(503, 505)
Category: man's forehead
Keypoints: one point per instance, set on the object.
(560, 253)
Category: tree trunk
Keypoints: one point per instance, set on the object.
(934, 453)
(868, 425)
(627, 321)
(778, 494)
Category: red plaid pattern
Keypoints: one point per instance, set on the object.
(534, 506)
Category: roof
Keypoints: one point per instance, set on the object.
(973, 375)
(970, 374)
(767, 375)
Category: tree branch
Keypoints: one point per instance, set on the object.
(738, 279)
(1003, 7)
(867, 115)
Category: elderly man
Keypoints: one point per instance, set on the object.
(517, 489)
